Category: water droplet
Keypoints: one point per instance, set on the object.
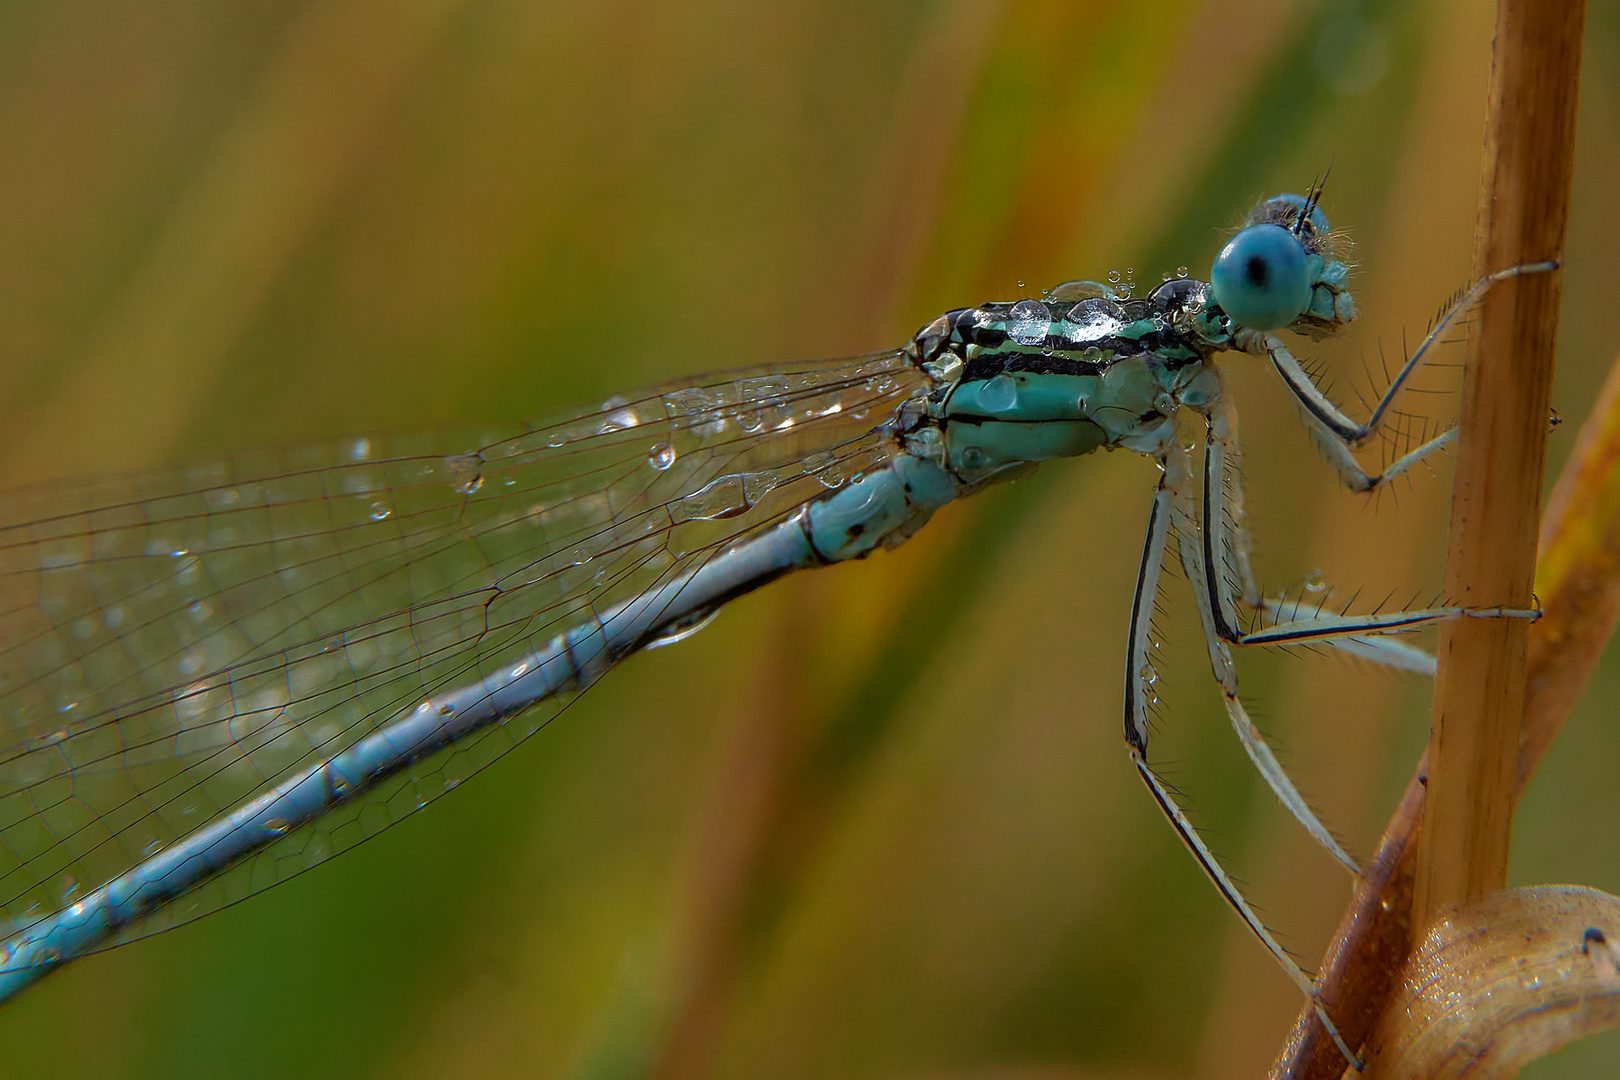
(465, 472)
(619, 417)
(555, 439)
(190, 663)
(816, 462)
(1029, 321)
(276, 826)
(719, 499)
(152, 848)
(380, 510)
(200, 611)
(447, 710)
(360, 450)
(1020, 283)
(661, 457)
(1114, 277)
(1000, 394)
(1314, 583)
(1181, 271)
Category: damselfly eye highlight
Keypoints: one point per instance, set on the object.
(1259, 278)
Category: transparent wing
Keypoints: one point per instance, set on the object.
(173, 644)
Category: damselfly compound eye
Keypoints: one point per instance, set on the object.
(1259, 278)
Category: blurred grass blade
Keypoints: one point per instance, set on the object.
(1577, 580)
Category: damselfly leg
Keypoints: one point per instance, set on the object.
(1205, 504)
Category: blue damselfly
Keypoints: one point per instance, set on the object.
(217, 677)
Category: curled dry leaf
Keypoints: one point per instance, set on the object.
(1502, 981)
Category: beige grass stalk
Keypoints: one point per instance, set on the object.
(1464, 798)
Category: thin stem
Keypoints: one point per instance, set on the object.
(1482, 698)
(1507, 384)
(1578, 583)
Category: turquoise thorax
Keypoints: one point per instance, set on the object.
(1083, 368)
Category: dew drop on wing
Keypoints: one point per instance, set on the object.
(717, 500)
(619, 417)
(380, 510)
(465, 473)
(661, 456)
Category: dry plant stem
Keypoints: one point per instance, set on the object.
(1362, 963)
(1507, 382)
(1578, 582)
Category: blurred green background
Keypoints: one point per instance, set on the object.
(876, 821)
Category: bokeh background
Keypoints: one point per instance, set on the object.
(876, 821)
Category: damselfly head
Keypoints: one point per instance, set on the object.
(1282, 270)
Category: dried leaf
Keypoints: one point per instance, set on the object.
(1502, 981)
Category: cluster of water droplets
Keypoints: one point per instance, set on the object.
(825, 467)
(1124, 284)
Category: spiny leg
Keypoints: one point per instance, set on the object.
(1205, 541)
(1336, 435)
(1138, 667)
(1378, 649)
(1201, 527)
(1213, 523)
